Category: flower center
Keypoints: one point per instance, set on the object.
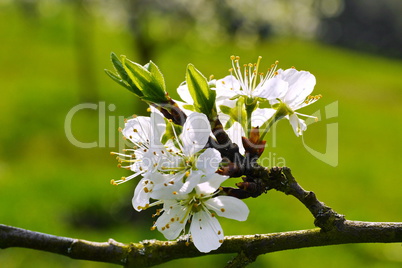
(250, 78)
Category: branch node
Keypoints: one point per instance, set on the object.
(241, 260)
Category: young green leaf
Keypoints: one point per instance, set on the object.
(156, 74)
(117, 79)
(121, 72)
(151, 86)
(203, 96)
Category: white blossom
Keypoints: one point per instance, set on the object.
(293, 95)
(199, 208)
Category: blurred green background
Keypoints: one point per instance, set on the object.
(52, 58)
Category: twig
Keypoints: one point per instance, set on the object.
(152, 252)
(282, 180)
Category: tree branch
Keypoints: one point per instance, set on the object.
(334, 230)
(153, 252)
(282, 180)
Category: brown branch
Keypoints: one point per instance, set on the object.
(334, 229)
(282, 180)
(152, 252)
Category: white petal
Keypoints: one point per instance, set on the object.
(229, 84)
(138, 129)
(191, 182)
(206, 231)
(211, 184)
(141, 196)
(184, 93)
(298, 124)
(173, 220)
(196, 131)
(164, 186)
(301, 84)
(261, 115)
(272, 89)
(209, 161)
(158, 128)
(235, 133)
(228, 207)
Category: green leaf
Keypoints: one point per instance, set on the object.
(151, 86)
(203, 96)
(229, 123)
(237, 113)
(117, 79)
(189, 107)
(156, 74)
(124, 77)
(118, 66)
(172, 131)
(225, 109)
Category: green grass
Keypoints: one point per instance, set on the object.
(49, 185)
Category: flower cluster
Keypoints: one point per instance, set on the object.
(181, 151)
(285, 91)
(179, 174)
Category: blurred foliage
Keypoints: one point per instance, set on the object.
(49, 185)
